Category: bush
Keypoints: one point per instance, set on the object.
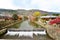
(15, 16)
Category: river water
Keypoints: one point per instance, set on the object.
(25, 26)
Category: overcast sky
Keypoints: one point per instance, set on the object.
(46, 5)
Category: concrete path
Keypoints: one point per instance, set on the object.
(53, 32)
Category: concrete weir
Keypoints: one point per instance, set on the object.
(25, 32)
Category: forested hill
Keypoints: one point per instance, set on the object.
(26, 12)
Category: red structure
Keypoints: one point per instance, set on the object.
(54, 21)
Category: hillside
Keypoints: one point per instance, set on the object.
(25, 12)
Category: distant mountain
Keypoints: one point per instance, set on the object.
(22, 11)
(7, 11)
(25, 12)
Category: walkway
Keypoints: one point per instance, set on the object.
(53, 32)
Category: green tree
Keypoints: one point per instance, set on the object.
(15, 16)
(55, 14)
(25, 17)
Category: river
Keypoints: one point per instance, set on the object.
(27, 30)
(24, 26)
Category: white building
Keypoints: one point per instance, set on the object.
(48, 16)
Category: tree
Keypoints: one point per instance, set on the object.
(25, 17)
(15, 16)
(55, 14)
(36, 14)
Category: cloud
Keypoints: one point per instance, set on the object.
(46, 5)
(7, 4)
(24, 4)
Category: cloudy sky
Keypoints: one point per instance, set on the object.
(46, 5)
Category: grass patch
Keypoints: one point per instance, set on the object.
(16, 25)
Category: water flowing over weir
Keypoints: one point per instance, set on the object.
(26, 33)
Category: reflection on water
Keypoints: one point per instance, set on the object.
(25, 26)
